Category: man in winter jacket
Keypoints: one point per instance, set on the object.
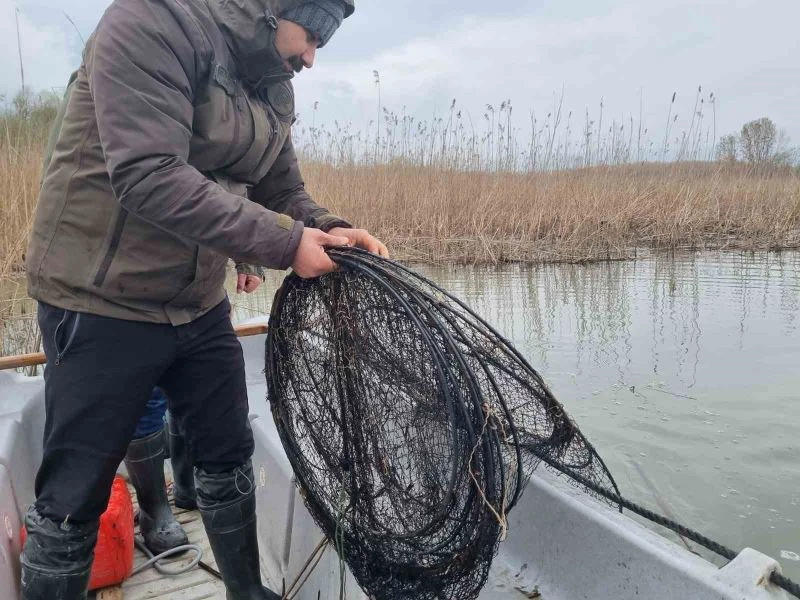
(174, 155)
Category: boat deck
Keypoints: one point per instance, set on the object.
(195, 584)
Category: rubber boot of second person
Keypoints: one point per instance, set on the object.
(182, 468)
(228, 506)
(145, 464)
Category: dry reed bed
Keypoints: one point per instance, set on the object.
(436, 214)
(439, 214)
(20, 166)
(588, 214)
(19, 177)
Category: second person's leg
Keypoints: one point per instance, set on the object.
(182, 466)
(145, 463)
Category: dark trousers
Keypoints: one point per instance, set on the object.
(99, 376)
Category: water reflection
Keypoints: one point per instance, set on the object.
(646, 316)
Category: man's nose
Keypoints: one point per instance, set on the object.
(308, 57)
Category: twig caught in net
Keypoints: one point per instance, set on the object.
(410, 423)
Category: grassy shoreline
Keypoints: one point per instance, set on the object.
(598, 213)
(442, 215)
(439, 215)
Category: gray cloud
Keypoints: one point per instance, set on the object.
(45, 52)
(744, 51)
(431, 51)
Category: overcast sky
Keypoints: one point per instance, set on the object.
(429, 52)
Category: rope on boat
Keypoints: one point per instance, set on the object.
(305, 571)
(777, 578)
(153, 560)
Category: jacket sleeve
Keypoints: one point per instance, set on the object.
(248, 269)
(143, 64)
(282, 190)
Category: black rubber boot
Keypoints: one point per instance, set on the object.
(228, 506)
(182, 469)
(145, 464)
(57, 558)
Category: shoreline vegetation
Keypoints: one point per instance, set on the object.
(440, 192)
(433, 214)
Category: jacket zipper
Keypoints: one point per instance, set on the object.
(60, 353)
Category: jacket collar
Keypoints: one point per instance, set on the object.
(248, 28)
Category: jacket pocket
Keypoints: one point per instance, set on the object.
(113, 246)
(144, 263)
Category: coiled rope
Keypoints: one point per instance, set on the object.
(154, 560)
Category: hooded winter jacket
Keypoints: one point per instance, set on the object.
(166, 164)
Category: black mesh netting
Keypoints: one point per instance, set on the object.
(411, 425)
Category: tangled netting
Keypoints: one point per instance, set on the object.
(412, 425)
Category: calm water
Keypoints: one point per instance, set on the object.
(683, 371)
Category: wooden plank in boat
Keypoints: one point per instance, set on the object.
(38, 358)
(110, 593)
(196, 584)
(21, 360)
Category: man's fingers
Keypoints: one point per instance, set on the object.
(335, 240)
(328, 260)
(312, 260)
(252, 283)
(247, 283)
(374, 245)
(325, 262)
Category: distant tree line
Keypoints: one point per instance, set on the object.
(759, 143)
(26, 104)
(27, 116)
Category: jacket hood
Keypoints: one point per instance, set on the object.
(248, 33)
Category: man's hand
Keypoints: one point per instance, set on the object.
(362, 239)
(247, 283)
(311, 260)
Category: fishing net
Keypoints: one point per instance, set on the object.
(411, 425)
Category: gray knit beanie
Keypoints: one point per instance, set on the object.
(320, 17)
